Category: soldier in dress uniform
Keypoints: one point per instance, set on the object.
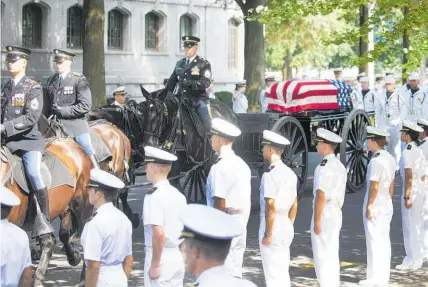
(278, 209)
(163, 264)
(379, 86)
(119, 95)
(208, 234)
(240, 101)
(338, 73)
(191, 78)
(423, 138)
(263, 99)
(412, 169)
(416, 98)
(229, 188)
(107, 238)
(70, 100)
(22, 104)
(329, 194)
(369, 96)
(390, 111)
(378, 209)
(14, 245)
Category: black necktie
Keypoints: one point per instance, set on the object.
(60, 80)
(12, 84)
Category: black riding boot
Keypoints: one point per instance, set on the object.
(42, 223)
(204, 110)
(94, 161)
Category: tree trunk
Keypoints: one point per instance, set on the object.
(406, 45)
(254, 52)
(287, 71)
(363, 48)
(93, 50)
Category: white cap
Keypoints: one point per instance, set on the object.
(7, 197)
(157, 155)
(389, 80)
(414, 76)
(224, 129)
(337, 70)
(349, 78)
(365, 79)
(373, 132)
(411, 126)
(207, 223)
(327, 136)
(104, 180)
(423, 123)
(119, 90)
(274, 139)
(363, 74)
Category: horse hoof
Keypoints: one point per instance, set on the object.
(135, 220)
(81, 284)
(75, 259)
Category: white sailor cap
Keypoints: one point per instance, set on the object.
(379, 77)
(338, 71)
(104, 180)
(375, 133)
(389, 80)
(274, 139)
(423, 123)
(224, 129)
(208, 224)
(270, 78)
(414, 76)
(157, 155)
(411, 126)
(7, 197)
(349, 78)
(327, 136)
(365, 79)
(119, 90)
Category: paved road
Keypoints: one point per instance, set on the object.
(352, 249)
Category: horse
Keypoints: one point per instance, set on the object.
(69, 203)
(170, 121)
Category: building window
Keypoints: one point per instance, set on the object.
(115, 29)
(32, 26)
(152, 31)
(3, 25)
(75, 27)
(233, 44)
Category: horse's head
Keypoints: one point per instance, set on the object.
(5, 167)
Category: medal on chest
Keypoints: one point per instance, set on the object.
(18, 100)
(195, 71)
(68, 90)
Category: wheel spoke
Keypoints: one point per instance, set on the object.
(295, 145)
(297, 154)
(353, 146)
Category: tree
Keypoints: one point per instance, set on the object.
(93, 50)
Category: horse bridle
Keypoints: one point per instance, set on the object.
(164, 111)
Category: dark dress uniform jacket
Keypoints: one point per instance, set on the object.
(196, 77)
(21, 113)
(74, 96)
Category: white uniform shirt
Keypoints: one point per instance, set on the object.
(280, 184)
(107, 237)
(162, 208)
(357, 99)
(390, 110)
(218, 276)
(417, 103)
(369, 101)
(413, 157)
(230, 179)
(263, 101)
(382, 170)
(240, 103)
(330, 177)
(115, 103)
(424, 148)
(15, 253)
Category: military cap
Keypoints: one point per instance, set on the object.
(274, 139)
(104, 181)
(224, 129)
(327, 136)
(119, 90)
(157, 155)
(423, 123)
(61, 55)
(364, 79)
(8, 198)
(389, 73)
(338, 71)
(14, 53)
(380, 77)
(389, 80)
(363, 74)
(409, 126)
(376, 133)
(349, 78)
(414, 76)
(208, 224)
(270, 78)
(241, 84)
(189, 41)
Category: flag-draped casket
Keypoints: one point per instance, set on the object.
(300, 96)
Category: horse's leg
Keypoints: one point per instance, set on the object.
(47, 244)
(133, 217)
(82, 282)
(175, 171)
(66, 231)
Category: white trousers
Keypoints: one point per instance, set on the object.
(325, 247)
(412, 227)
(276, 257)
(425, 223)
(112, 276)
(378, 242)
(171, 268)
(235, 258)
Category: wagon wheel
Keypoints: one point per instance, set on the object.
(295, 155)
(352, 151)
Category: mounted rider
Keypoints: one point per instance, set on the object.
(70, 100)
(22, 103)
(193, 76)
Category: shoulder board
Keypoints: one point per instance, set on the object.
(33, 84)
(422, 142)
(409, 147)
(376, 155)
(324, 162)
(77, 74)
(271, 167)
(90, 218)
(152, 190)
(217, 160)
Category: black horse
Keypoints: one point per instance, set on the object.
(174, 124)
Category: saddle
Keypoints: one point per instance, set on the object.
(187, 110)
(54, 172)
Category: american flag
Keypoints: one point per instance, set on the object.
(299, 96)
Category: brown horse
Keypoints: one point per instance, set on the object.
(70, 204)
